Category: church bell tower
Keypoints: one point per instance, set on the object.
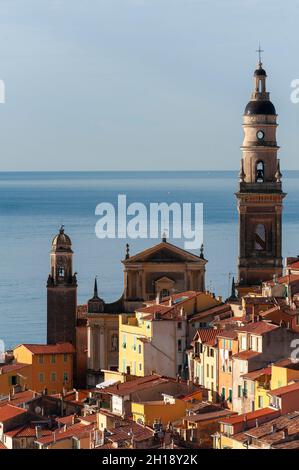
(61, 292)
(260, 192)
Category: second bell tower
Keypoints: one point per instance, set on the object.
(260, 191)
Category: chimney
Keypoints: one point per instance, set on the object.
(273, 428)
(285, 433)
(38, 432)
(170, 302)
(157, 299)
(182, 311)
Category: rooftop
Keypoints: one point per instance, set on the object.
(248, 416)
(257, 373)
(258, 328)
(59, 348)
(10, 411)
(279, 392)
(247, 354)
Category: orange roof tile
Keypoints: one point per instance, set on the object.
(258, 328)
(207, 334)
(278, 392)
(247, 354)
(248, 416)
(255, 374)
(10, 411)
(59, 348)
(6, 368)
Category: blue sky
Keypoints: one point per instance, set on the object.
(141, 84)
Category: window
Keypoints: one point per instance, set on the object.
(212, 372)
(114, 342)
(245, 389)
(243, 342)
(13, 380)
(65, 358)
(207, 370)
(53, 358)
(211, 352)
(261, 401)
(41, 359)
(230, 395)
(179, 369)
(164, 293)
(53, 377)
(65, 377)
(260, 172)
(179, 345)
(139, 348)
(124, 365)
(179, 325)
(140, 366)
(41, 377)
(223, 391)
(260, 238)
(124, 341)
(239, 391)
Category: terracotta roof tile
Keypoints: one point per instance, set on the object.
(6, 368)
(257, 373)
(247, 354)
(134, 385)
(59, 348)
(278, 392)
(10, 411)
(248, 416)
(258, 328)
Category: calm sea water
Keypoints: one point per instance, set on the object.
(34, 205)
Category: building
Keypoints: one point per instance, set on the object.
(231, 430)
(160, 271)
(61, 292)
(51, 365)
(256, 385)
(156, 337)
(260, 193)
(228, 345)
(260, 343)
(155, 273)
(102, 338)
(13, 375)
(203, 360)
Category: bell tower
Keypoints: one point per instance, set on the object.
(260, 193)
(61, 292)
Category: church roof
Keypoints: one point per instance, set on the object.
(164, 252)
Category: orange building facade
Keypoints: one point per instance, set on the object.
(51, 365)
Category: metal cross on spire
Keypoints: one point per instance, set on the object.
(259, 50)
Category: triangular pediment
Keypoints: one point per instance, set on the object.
(164, 252)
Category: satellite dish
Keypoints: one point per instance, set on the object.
(38, 410)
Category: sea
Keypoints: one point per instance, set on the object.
(33, 206)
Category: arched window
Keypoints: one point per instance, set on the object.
(260, 237)
(260, 172)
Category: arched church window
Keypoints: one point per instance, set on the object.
(260, 172)
(164, 293)
(260, 237)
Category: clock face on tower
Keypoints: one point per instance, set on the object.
(260, 135)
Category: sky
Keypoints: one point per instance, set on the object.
(141, 84)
